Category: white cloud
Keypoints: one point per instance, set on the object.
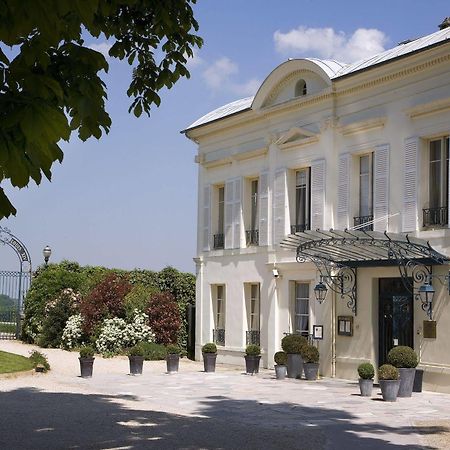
(219, 73)
(193, 61)
(102, 47)
(246, 89)
(329, 44)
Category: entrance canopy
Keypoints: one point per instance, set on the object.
(357, 248)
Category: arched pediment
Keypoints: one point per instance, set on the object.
(293, 79)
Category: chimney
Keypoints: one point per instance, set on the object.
(445, 23)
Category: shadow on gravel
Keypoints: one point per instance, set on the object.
(33, 419)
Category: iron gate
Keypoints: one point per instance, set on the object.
(13, 287)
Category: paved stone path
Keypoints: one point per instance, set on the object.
(197, 410)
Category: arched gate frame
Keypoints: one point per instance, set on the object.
(13, 287)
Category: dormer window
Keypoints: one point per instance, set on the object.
(300, 88)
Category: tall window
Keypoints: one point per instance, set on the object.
(252, 235)
(302, 200)
(219, 236)
(252, 305)
(301, 309)
(437, 214)
(219, 314)
(365, 192)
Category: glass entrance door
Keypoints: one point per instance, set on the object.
(395, 318)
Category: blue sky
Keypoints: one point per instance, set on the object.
(129, 200)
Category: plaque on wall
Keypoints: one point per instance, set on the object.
(429, 329)
(317, 331)
(345, 325)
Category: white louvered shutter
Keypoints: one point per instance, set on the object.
(279, 206)
(343, 194)
(229, 203)
(381, 187)
(409, 222)
(317, 194)
(263, 208)
(206, 225)
(237, 213)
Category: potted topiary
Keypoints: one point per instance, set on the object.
(310, 356)
(86, 361)
(280, 359)
(252, 358)
(136, 359)
(209, 352)
(293, 344)
(366, 373)
(389, 382)
(173, 358)
(406, 360)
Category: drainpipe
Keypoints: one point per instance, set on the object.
(333, 335)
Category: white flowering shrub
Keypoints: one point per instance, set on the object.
(72, 332)
(117, 334)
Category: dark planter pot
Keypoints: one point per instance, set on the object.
(294, 365)
(365, 387)
(136, 364)
(418, 380)
(311, 371)
(252, 364)
(86, 367)
(173, 362)
(209, 362)
(280, 371)
(389, 389)
(406, 381)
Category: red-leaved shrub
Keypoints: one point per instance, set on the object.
(105, 300)
(164, 317)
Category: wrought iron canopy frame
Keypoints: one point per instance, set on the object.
(338, 254)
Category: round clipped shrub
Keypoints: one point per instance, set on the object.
(253, 350)
(366, 371)
(173, 349)
(403, 356)
(388, 372)
(210, 347)
(280, 358)
(310, 354)
(87, 351)
(293, 343)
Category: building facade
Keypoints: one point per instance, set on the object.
(361, 149)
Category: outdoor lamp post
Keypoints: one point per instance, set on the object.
(47, 253)
(427, 291)
(320, 291)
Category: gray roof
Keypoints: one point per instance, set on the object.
(334, 70)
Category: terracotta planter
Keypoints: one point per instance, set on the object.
(86, 367)
(173, 362)
(365, 387)
(252, 364)
(136, 364)
(209, 362)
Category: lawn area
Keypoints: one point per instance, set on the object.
(7, 327)
(9, 362)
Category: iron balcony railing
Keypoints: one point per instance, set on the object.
(252, 237)
(299, 228)
(361, 220)
(435, 216)
(219, 336)
(218, 240)
(252, 337)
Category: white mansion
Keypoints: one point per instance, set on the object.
(333, 179)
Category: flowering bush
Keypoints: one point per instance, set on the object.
(73, 333)
(164, 317)
(104, 301)
(116, 334)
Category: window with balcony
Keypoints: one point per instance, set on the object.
(437, 212)
(252, 234)
(218, 297)
(365, 193)
(252, 296)
(302, 201)
(219, 237)
(300, 308)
